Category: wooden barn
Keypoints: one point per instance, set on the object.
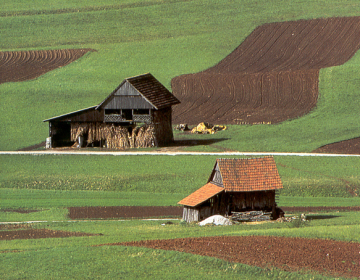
(235, 185)
(136, 114)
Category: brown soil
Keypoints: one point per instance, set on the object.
(166, 211)
(16, 66)
(124, 212)
(351, 146)
(272, 76)
(38, 233)
(325, 256)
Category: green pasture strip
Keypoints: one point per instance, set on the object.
(42, 214)
(168, 177)
(167, 39)
(118, 262)
(35, 198)
(46, 254)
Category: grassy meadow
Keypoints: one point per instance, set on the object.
(166, 38)
(50, 183)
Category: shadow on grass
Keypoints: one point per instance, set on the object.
(320, 217)
(196, 142)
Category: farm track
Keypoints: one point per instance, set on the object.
(336, 258)
(271, 77)
(17, 66)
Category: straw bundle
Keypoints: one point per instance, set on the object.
(116, 136)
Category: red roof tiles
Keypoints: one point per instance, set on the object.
(253, 174)
(201, 195)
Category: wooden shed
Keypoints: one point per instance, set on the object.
(235, 185)
(136, 114)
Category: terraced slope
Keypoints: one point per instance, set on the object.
(16, 66)
(272, 76)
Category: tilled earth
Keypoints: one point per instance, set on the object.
(325, 256)
(17, 66)
(38, 233)
(165, 211)
(271, 76)
(124, 212)
(351, 146)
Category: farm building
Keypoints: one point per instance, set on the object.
(136, 114)
(235, 185)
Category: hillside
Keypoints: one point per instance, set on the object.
(272, 76)
(169, 39)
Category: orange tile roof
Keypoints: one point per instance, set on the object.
(201, 195)
(253, 174)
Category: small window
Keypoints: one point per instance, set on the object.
(112, 111)
(141, 111)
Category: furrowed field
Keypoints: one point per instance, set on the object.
(166, 38)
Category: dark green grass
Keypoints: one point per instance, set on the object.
(167, 39)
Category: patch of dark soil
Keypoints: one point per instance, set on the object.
(351, 146)
(109, 212)
(38, 233)
(22, 211)
(325, 256)
(271, 76)
(17, 66)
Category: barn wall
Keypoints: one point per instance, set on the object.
(190, 214)
(163, 129)
(258, 200)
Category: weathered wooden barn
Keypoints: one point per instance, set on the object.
(235, 185)
(136, 114)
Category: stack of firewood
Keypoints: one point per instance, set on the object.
(251, 216)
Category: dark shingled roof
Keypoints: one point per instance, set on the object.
(153, 91)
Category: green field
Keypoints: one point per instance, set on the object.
(167, 39)
(51, 183)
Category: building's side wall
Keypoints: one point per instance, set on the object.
(257, 200)
(163, 129)
(190, 214)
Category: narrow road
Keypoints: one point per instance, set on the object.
(159, 153)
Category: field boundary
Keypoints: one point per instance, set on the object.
(156, 153)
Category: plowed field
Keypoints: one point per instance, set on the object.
(272, 76)
(124, 212)
(38, 233)
(165, 211)
(19, 66)
(351, 146)
(325, 256)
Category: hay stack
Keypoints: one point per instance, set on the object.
(116, 136)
